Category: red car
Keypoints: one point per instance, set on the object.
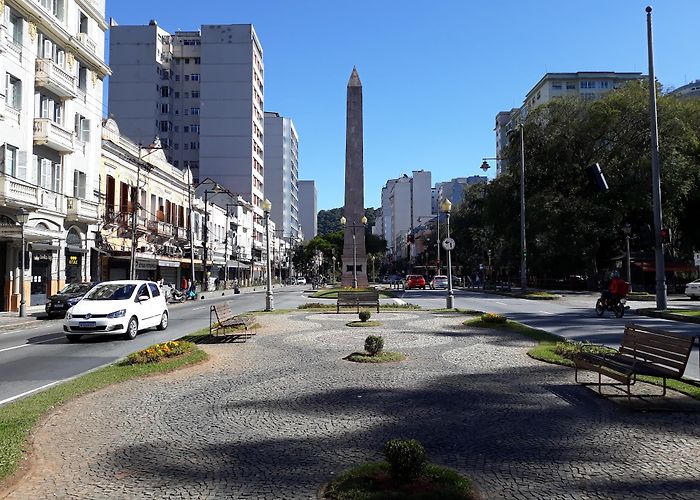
(415, 281)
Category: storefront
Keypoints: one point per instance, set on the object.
(169, 270)
(75, 257)
(146, 269)
(42, 257)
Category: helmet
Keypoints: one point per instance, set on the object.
(615, 274)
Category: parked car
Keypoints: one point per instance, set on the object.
(301, 280)
(692, 290)
(59, 303)
(415, 281)
(438, 281)
(122, 307)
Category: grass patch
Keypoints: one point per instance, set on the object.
(539, 296)
(382, 357)
(374, 481)
(332, 293)
(17, 419)
(382, 307)
(361, 324)
(546, 350)
(688, 315)
(469, 312)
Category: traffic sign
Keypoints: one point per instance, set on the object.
(448, 244)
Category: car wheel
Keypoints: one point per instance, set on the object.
(163, 321)
(73, 337)
(132, 329)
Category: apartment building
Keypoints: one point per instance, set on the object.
(52, 64)
(308, 210)
(282, 173)
(588, 85)
(406, 204)
(689, 90)
(454, 190)
(202, 93)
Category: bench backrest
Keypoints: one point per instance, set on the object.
(222, 311)
(358, 295)
(670, 350)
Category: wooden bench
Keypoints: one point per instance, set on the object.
(222, 319)
(357, 299)
(643, 351)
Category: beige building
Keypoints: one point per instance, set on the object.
(52, 67)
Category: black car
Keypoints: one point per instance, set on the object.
(58, 304)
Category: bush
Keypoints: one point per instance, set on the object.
(374, 345)
(365, 315)
(569, 348)
(406, 458)
(493, 318)
(157, 352)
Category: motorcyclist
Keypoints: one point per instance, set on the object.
(617, 288)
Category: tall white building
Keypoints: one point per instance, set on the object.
(308, 209)
(406, 203)
(454, 190)
(202, 93)
(52, 65)
(588, 85)
(282, 173)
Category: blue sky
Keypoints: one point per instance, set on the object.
(434, 73)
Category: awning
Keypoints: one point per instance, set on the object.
(45, 247)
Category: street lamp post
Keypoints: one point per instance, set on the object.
(22, 218)
(447, 207)
(269, 305)
(627, 229)
(333, 258)
(205, 233)
(343, 221)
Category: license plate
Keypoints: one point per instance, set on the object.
(87, 324)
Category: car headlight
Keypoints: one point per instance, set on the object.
(117, 314)
(69, 314)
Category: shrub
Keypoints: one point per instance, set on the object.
(365, 315)
(406, 458)
(157, 352)
(374, 345)
(569, 348)
(493, 318)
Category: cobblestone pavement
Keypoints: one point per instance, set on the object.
(280, 415)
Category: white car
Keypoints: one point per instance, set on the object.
(692, 290)
(117, 307)
(439, 281)
(301, 280)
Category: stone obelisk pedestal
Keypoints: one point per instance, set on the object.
(354, 208)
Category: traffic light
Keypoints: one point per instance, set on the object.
(595, 174)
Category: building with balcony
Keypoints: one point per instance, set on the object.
(52, 64)
(202, 93)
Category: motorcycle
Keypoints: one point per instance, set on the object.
(614, 304)
(173, 295)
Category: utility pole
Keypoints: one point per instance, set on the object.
(134, 208)
(191, 221)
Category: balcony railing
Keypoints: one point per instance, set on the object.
(87, 42)
(181, 233)
(16, 193)
(165, 229)
(80, 210)
(55, 202)
(49, 133)
(54, 78)
(9, 114)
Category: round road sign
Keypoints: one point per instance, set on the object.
(448, 244)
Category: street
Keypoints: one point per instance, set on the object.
(35, 358)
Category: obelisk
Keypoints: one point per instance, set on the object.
(354, 248)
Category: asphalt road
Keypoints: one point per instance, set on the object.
(39, 357)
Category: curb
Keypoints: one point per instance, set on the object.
(666, 315)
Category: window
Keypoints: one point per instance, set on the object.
(187, 94)
(177, 78)
(49, 174)
(586, 84)
(83, 24)
(177, 94)
(185, 129)
(195, 77)
(82, 128)
(185, 146)
(163, 126)
(16, 25)
(556, 86)
(176, 145)
(194, 145)
(176, 128)
(604, 84)
(165, 91)
(55, 7)
(164, 108)
(197, 60)
(154, 289)
(79, 183)
(82, 77)
(195, 94)
(49, 108)
(143, 292)
(570, 86)
(13, 93)
(8, 161)
(187, 78)
(194, 111)
(194, 128)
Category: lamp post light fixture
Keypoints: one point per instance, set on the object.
(22, 218)
(343, 221)
(333, 258)
(269, 301)
(627, 229)
(447, 208)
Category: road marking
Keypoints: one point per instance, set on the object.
(545, 312)
(18, 396)
(27, 345)
(399, 302)
(198, 308)
(500, 303)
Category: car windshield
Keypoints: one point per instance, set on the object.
(111, 292)
(76, 288)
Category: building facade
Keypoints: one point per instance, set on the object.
(454, 190)
(52, 64)
(689, 90)
(308, 210)
(282, 173)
